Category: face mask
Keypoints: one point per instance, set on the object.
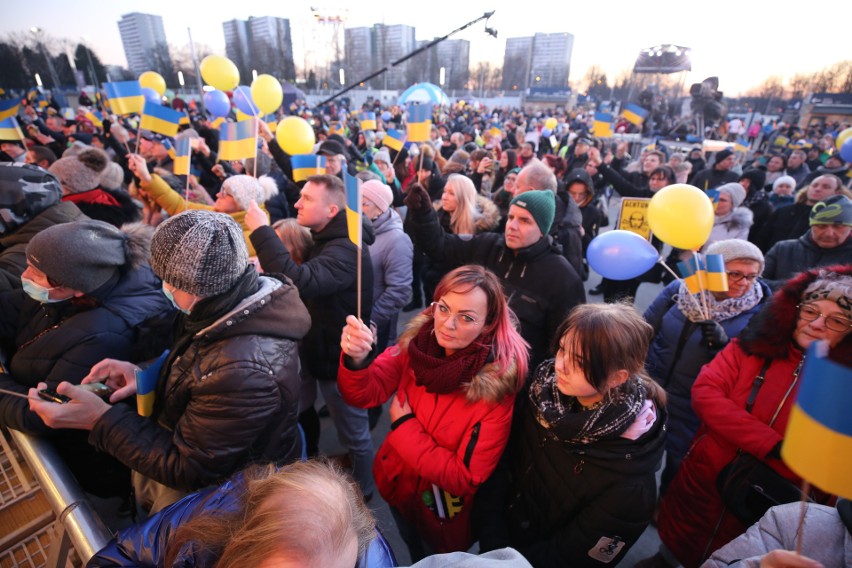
(38, 293)
(171, 299)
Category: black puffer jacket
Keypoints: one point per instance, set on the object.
(558, 503)
(113, 206)
(230, 399)
(540, 284)
(328, 284)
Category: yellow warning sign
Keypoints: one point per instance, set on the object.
(633, 216)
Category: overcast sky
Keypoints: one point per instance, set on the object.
(741, 42)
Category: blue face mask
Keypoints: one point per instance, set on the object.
(38, 293)
(171, 299)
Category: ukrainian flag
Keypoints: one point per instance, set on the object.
(691, 272)
(9, 129)
(307, 165)
(146, 386)
(237, 140)
(394, 139)
(419, 122)
(353, 208)
(602, 127)
(367, 120)
(634, 114)
(337, 128)
(9, 108)
(68, 113)
(271, 122)
(96, 118)
(125, 97)
(180, 155)
(818, 442)
(495, 131)
(216, 123)
(160, 119)
(741, 146)
(717, 276)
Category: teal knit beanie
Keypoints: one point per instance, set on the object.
(541, 203)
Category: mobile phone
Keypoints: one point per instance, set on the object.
(99, 389)
(51, 395)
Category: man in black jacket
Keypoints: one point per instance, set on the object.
(718, 174)
(542, 287)
(327, 283)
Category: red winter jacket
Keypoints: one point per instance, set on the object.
(454, 441)
(691, 507)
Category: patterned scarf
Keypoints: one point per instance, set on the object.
(440, 374)
(576, 424)
(720, 310)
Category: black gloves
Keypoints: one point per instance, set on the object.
(714, 335)
(107, 125)
(417, 200)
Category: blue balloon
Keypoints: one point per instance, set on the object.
(152, 96)
(621, 255)
(243, 100)
(846, 150)
(217, 103)
(386, 116)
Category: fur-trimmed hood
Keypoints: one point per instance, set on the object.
(489, 385)
(739, 218)
(488, 214)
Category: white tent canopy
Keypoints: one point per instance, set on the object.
(424, 93)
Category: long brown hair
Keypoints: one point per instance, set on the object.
(309, 511)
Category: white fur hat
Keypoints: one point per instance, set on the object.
(244, 189)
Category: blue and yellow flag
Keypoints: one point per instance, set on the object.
(180, 154)
(495, 131)
(9, 129)
(741, 146)
(818, 442)
(692, 272)
(353, 208)
(9, 108)
(69, 113)
(160, 119)
(307, 165)
(125, 97)
(394, 139)
(634, 114)
(602, 127)
(337, 127)
(419, 122)
(717, 276)
(238, 140)
(367, 120)
(217, 122)
(96, 118)
(146, 385)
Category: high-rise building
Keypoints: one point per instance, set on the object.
(541, 61)
(359, 59)
(145, 45)
(262, 44)
(454, 56)
(389, 44)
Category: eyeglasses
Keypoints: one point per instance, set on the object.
(734, 276)
(442, 312)
(833, 322)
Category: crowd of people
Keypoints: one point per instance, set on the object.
(192, 320)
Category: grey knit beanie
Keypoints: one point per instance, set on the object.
(382, 156)
(737, 249)
(735, 191)
(81, 172)
(84, 255)
(199, 252)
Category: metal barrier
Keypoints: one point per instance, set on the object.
(77, 525)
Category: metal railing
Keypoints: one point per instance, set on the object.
(77, 523)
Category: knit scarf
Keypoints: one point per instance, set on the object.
(440, 374)
(720, 310)
(573, 423)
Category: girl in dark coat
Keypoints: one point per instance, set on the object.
(576, 486)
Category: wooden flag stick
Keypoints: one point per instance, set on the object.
(702, 288)
(806, 489)
(395, 158)
(358, 276)
(186, 193)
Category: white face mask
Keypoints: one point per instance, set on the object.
(38, 293)
(171, 298)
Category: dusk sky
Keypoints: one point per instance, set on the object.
(743, 43)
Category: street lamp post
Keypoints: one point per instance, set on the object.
(37, 32)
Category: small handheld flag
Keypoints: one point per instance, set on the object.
(419, 122)
(818, 442)
(394, 139)
(634, 114)
(717, 277)
(353, 208)
(602, 127)
(96, 118)
(125, 97)
(181, 155)
(307, 165)
(146, 386)
(9, 108)
(217, 122)
(160, 119)
(237, 140)
(689, 271)
(9, 129)
(367, 120)
(68, 113)
(337, 128)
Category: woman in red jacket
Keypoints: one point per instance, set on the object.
(814, 306)
(455, 372)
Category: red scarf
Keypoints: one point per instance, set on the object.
(440, 374)
(96, 195)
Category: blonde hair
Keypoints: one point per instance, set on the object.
(309, 511)
(463, 219)
(296, 238)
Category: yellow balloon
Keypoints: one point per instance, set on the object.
(266, 93)
(220, 72)
(681, 215)
(843, 137)
(153, 80)
(550, 123)
(295, 136)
